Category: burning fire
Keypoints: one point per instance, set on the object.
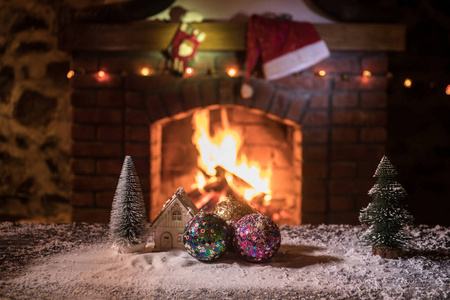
(220, 159)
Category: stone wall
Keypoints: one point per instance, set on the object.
(35, 115)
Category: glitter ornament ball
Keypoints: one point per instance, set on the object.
(206, 237)
(256, 238)
(232, 210)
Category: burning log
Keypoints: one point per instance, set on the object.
(205, 197)
(208, 201)
(212, 184)
(217, 187)
(237, 185)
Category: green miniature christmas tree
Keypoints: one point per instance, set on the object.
(386, 214)
(128, 231)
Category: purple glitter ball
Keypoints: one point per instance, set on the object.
(257, 238)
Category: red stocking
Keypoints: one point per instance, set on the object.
(184, 46)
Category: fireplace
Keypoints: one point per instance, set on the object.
(228, 150)
(321, 137)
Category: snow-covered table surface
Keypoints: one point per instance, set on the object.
(75, 261)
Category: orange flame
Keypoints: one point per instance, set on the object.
(222, 150)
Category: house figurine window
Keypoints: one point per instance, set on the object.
(176, 215)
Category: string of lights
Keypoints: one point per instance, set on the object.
(233, 72)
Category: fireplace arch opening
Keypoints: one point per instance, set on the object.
(228, 150)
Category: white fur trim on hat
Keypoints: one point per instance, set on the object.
(296, 60)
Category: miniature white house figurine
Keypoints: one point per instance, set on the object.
(166, 230)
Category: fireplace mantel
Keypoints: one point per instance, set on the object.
(221, 36)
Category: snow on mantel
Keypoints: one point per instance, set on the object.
(221, 36)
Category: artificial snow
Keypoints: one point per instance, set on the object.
(326, 261)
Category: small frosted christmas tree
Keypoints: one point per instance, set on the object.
(128, 231)
(386, 214)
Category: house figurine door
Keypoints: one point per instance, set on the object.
(166, 241)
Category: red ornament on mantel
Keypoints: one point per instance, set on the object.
(184, 47)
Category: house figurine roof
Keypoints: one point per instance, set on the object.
(180, 196)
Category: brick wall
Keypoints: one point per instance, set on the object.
(343, 119)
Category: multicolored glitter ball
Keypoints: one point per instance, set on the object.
(206, 237)
(256, 238)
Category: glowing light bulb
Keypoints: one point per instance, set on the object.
(70, 74)
(366, 74)
(322, 73)
(189, 71)
(101, 74)
(407, 83)
(447, 90)
(231, 72)
(145, 71)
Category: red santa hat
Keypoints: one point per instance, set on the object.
(285, 47)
